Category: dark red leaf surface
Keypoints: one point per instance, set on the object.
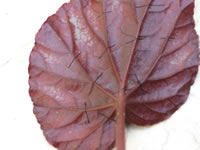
(97, 64)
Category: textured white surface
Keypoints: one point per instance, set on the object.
(19, 22)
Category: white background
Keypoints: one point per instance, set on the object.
(19, 130)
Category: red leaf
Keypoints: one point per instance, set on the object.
(93, 61)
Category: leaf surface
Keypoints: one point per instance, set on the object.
(92, 56)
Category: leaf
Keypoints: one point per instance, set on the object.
(95, 61)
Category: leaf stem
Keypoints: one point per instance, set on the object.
(120, 123)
